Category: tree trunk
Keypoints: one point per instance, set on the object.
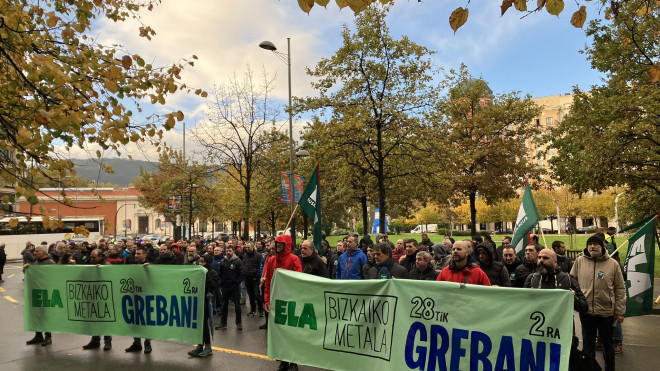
(473, 212)
(246, 215)
(272, 223)
(365, 213)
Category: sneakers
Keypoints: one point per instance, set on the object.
(147, 347)
(618, 347)
(195, 352)
(47, 341)
(221, 327)
(206, 352)
(135, 347)
(599, 345)
(239, 327)
(284, 366)
(107, 346)
(91, 345)
(293, 367)
(262, 314)
(253, 313)
(264, 326)
(37, 339)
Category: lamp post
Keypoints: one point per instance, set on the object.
(117, 213)
(286, 58)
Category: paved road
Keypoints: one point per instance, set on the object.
(235, 350)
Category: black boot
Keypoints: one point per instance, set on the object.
(147, 347)
(108, 345)
(37, 339)
(92, 345)
(47, 341)
(135, 347)
(284, 366)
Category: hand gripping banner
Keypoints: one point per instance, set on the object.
(417, 325)
(155, 302)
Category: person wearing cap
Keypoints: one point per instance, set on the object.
(601, 280)
(497, 273)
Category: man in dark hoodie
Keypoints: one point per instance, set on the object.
(165, 255)
(252, 264)
(495, 270)
(211, 283)
(385, 267)
(423, 268)
(370, 261)
(461, 269)
(311, 261)
(283, 259)
(528, 266)
(231, 274)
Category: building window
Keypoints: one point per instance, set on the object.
(202, 226)
(157, 224)
(537, 122)
(548, 121)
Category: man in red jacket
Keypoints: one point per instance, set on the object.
(461, 269)
(285, 260)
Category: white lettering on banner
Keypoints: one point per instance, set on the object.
(639, 282)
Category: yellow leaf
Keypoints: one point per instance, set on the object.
(506, 4)
(81, 230)
(52, 19)
(625, 42)
(179, 116)
(654, 73)
(45, 222)
(520, 5)
(342, 3)
(24, 133)
(643, 11)
(204, 94)
(458, 18)
(126, 61)
(13, 222)
(554, 7)
(358, 5)
(306, 5)
(579, 17)
(322, 3)
(540, 4)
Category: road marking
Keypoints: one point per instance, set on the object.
(247, 354)
(11, 276)
(652, 315)
(11, 299)
(2, 289)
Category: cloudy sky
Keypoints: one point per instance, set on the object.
(536, 55)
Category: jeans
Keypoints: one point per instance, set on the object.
(234, 293)
(106, 339)
(252, 286)
(243, 291)
(603, 325)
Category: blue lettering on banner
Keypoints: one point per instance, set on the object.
(424, 352)
(153, 310)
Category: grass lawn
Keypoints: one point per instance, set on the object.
(578, 242)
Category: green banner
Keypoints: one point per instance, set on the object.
(155, 302)
(528, 218)
(310, 203)
(639, 268)
(417, 325)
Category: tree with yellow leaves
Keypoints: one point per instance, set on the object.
(59, 86)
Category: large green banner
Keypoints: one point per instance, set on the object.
(155, 301)
(417, 325)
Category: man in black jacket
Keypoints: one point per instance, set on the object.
(496, 271)
(311, 261)
(511, 261)
(528, 266)
(423, 268)
(385, 267)
(251, 265)
(408, 261)
(203, 350)
(563, 262)
(231, 274)
(549, 276)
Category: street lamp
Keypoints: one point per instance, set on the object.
(286, 58)
(119, 208)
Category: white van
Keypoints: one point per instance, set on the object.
(425, 228)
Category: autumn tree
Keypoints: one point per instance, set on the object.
(61, 87)
(232, 138)
(486, 134)
(192, 182)
(611, 136)
(373, 94)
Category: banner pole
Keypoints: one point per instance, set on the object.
(622, 245)
(542, 235)
(291, 218)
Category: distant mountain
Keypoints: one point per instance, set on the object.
(125, 170)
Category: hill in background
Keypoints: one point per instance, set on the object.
(125, 170)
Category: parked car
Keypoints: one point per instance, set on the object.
(151, 237)
(584, 230)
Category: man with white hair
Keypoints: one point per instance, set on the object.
(41, 257)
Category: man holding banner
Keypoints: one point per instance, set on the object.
(601, 281)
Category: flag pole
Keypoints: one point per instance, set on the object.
(622, 245)
(291, 218)
(542, 235)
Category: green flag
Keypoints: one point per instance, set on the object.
(527, 219)
(310, 203)
(638, 268)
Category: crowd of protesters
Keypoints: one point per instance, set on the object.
(240, 272)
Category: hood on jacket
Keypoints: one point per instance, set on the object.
(287, 243)
(605, 255)
(488, 247)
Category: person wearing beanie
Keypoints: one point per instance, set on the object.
(601, 280)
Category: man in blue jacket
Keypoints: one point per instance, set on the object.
(350, 263)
